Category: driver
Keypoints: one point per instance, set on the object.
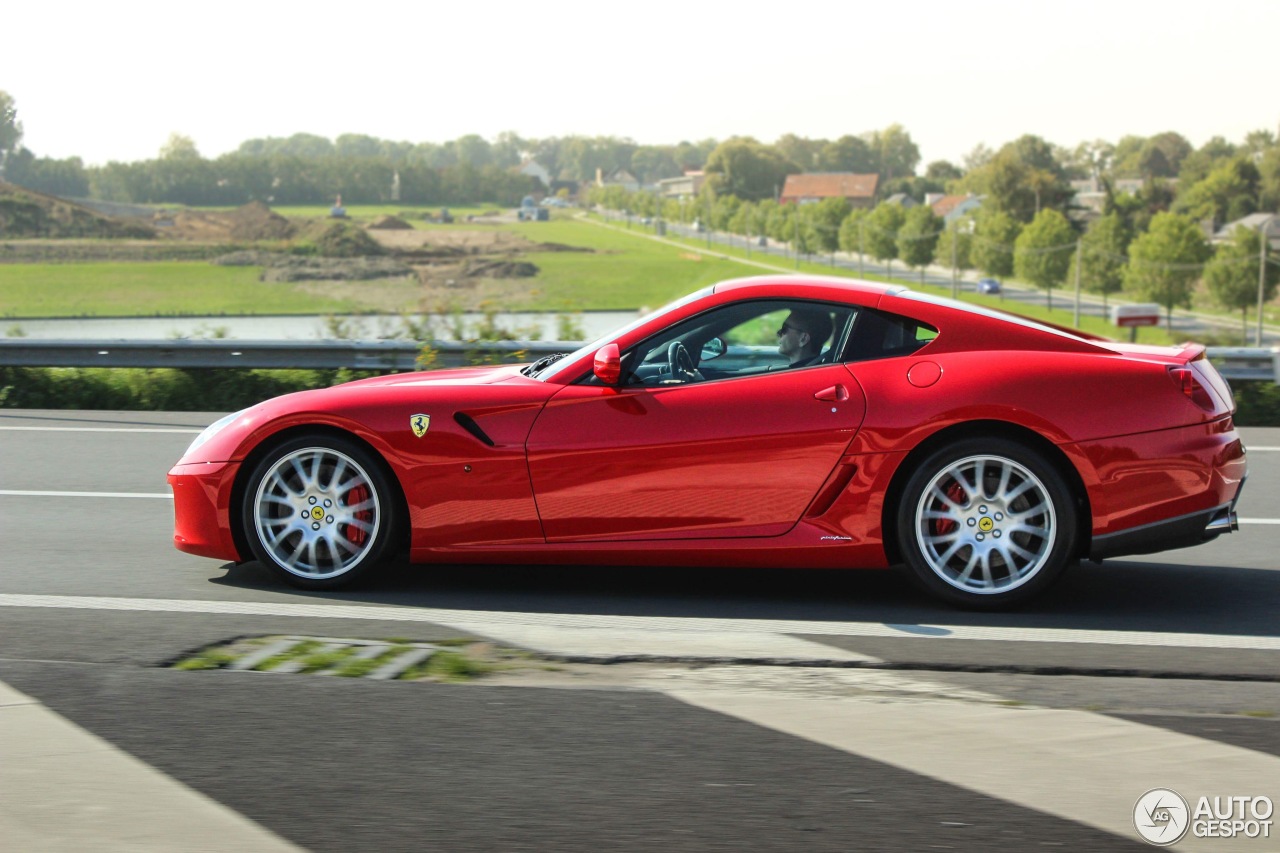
(802, 335)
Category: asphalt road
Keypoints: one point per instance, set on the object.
(660, 754)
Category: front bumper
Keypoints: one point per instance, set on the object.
(202, 509)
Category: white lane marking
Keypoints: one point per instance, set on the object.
(20, 493)
(1109, 762)
(186, 431)
(1259, 520)
(1251, 449)
(68, 789)
(492, 623)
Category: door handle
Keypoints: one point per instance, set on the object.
(834, 394)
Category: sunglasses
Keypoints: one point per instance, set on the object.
(787, 327)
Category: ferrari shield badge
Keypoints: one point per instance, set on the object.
(420, 423)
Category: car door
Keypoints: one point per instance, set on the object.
(736, 456)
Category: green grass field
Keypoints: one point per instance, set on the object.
(625, 270)
(149, 290)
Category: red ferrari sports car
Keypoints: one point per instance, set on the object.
(767, 422)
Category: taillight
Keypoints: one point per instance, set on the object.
(1187, 381)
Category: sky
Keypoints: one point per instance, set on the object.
(112, 81)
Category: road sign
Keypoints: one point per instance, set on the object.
(1139, 314)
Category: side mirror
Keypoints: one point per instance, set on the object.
(608, 364)
(713, 348)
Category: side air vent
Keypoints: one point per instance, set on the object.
(468, 423)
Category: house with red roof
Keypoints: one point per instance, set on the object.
(812, 187)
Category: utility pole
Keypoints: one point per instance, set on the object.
(1262, 273)
(955, 271)
(862, 273)
(1079, 254)
(795, 230)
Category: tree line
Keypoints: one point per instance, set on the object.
(1149, 243)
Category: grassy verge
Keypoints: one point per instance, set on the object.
(152, 290)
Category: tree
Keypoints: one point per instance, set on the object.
(1102, 256)
(993, 240)
(179, 147)
(804, 152)
(918, 238)
(747, 169)
(943, 171)
(1165, 262)
(880, 232)
(1201, 162)
(895, 154)
(824, 221)
(847, 154)
(852, 234)
(1232, 275)
(1023, 178)
(1042, 252)
(955, 245)
(1227, 193)
(10, 129)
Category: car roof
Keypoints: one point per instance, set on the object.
(869, 291)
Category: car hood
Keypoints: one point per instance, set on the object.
(379, 406)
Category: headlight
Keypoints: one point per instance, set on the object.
(213, 429)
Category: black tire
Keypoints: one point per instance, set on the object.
(991, 547)
(320, 511)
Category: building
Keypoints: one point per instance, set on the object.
(1254, 222)
(813, 187)
(953, 207)
(618, 178)
(687, 185)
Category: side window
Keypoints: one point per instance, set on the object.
(876, 335)
(742, 339)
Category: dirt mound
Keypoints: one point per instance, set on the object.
(560, 247)
(338, 239)
(249, 223)
(390, 223)
(25, 213)
(499, 269)
(335, 269)
(255, 221)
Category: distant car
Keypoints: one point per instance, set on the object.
(988, 286)
(983, 451)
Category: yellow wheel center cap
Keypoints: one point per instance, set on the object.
(985, 525)
(317, 513)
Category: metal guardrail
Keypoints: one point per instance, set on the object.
(1234, 363)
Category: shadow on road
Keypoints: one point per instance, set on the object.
(1118, 595)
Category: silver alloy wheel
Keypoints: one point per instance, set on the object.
(317, 513)
(986, 524)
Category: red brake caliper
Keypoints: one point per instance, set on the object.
(356, 496)
(943, 526)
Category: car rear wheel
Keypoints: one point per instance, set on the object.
(319, 511)
(986, 523)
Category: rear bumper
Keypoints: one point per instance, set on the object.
(201, 504)
(1182, 532)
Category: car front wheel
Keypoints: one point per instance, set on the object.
(986, 523)
(319, 511)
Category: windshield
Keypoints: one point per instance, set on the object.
(555, 367)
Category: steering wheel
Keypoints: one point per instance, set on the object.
(680, 363)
